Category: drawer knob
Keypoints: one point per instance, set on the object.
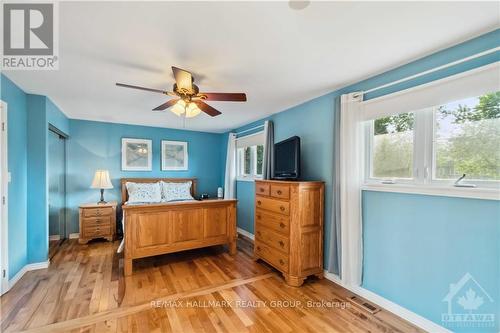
(259, 203)
(281, 243)
(282, 208)
(258, 217)
(261, 189)
(282, 262)
(282, 225)
(279, 192)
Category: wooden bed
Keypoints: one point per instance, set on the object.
(154, 229)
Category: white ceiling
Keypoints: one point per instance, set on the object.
(280, 57)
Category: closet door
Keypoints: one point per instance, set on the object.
(57, 190)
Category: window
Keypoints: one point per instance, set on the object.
(250, 156)
(392, 148)
(438, 145)
(467, 139)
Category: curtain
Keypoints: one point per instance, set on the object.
(230, 179)
(351, 178)
(335, 252)
(268, 163)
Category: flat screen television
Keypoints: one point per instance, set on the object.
(287, 159)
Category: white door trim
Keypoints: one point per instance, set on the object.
(4, 202)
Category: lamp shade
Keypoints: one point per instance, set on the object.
(101, 180)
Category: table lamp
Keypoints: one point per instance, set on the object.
(102, 182)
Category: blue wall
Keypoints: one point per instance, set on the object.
(18, 159)
(28, 119)
(313, 122)
(37, 179)
(415, 246)
(55, 117)
(97, 145)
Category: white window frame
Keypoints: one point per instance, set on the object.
(424, 160)
(250, 141)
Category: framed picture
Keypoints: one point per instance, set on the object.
(174, 155)
(137, 155)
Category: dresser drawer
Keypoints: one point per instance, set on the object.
(274, 257)
(271, 238)
(96, 221)
(88, 212)
(261, 189)
(273, 205)
(99, 231)
(279, 223)
(280, 191)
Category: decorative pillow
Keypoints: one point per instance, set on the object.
(176, 191)
(143, 192)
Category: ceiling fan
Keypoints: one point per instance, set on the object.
(188, 100)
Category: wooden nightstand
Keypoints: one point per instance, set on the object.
(97, 221)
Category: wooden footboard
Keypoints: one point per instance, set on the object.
(156, 229)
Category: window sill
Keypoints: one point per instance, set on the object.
(445, 191)
(249, 179)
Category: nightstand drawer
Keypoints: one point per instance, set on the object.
(88, 212)
(96, 221)
(99, 231)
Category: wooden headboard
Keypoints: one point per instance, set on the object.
(154, 180)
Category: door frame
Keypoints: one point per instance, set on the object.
(4, 205)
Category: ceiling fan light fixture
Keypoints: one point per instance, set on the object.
(192, 110)
(179, 108)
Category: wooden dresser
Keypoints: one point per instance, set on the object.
(97, 221)
(289, 227)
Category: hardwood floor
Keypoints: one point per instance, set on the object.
(203, 290)
(53, 247)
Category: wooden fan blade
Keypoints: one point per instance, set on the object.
(207, 108)
(228, 97)
(143, 88)
(183, 78)
(166, 105)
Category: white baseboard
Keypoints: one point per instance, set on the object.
(245, 233)
(390, 306)
(74, 235)
(24, 270)
(54, 237)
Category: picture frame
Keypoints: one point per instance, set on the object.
(137, 154)
(174, 155)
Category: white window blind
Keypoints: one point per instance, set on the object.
(250, 140)
(472, 83)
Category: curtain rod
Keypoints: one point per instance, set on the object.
(249, 129)
(456, 62)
